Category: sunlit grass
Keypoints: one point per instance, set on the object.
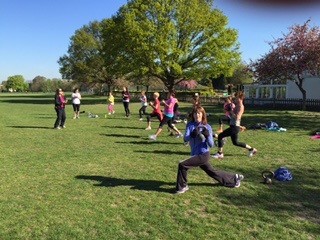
(103, 179)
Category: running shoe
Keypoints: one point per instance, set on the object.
(183, 190)
(239, 178)
(252, 152)
(218, 155)
(153, 137)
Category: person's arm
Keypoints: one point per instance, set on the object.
(207, 132)
(187, 134)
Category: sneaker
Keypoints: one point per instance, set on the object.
(140, 119)
(180, 135)
(239, 178)
(57, 128)
(63, 126)
(218, 155)
(74, 117)
(183, 190)
(148, 128)
(252, 152)
(153, 137)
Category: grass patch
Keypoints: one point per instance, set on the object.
(103, 179)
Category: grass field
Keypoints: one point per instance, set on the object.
(103, 179)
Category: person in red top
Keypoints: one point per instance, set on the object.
(156, 110)
(60, 103)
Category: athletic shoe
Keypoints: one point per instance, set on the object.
(183, 190)
(140, 119)
(148, 128)
(153, 137)
(180, 135)
(239, 178)
(57, 128)
(218, 155)
(252, 152)
(63, 126)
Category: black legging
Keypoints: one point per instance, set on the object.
(232, 132)
(126, 108)
(225, 178)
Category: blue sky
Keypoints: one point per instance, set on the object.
(35, 33)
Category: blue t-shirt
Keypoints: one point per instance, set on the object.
(198, 145)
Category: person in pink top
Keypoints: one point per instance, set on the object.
(168, 114)
(227, 107)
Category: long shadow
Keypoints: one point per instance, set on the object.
(165, 152)
(124, 127)
(147, 141)
(121, 135)
(137, 184)
(31, 127)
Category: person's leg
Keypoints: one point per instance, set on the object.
(234, 138)
(225, 178)
(58, 119)
(126, 108)
(77, 110)
(159, 130)
(63, 118)
(183, 166)
(221, 137)
(171, 126)
(140, 112)
(74, 111)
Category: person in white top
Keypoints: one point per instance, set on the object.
(76, 96)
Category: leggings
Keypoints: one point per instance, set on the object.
(225, 178)
(232, 132)
(167, 120)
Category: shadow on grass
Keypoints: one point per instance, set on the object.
(166, 152)
(137, 184)
(121, 135)
(31, 127)
(124, 127)
(298, 198)
(147, 141)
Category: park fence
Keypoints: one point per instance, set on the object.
(283, 104)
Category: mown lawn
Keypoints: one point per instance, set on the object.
(103, 179)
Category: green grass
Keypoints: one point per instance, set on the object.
(103, 179)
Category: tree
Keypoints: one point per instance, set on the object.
(172, 40)
(241, 75)
(85, 60)
(16, 83)
(37, 84)
(292, 57)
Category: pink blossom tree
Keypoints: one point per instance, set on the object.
(191, 84)
(292, 57)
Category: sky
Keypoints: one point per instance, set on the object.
(35, 33)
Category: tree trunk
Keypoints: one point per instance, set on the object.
(304, 93)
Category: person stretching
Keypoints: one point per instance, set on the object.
(199, 135)
(234, 129)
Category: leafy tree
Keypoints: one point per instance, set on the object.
(241, 75)
(37, 84)
(292, 57)
(16, 83)
(85, 60)
(172, 40)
